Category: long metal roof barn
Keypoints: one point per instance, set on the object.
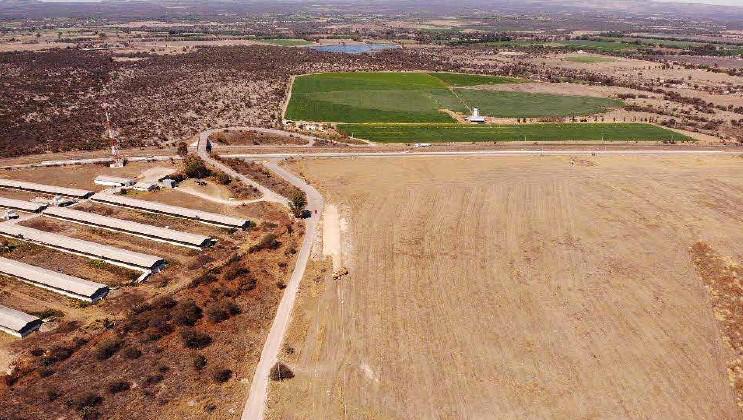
(74, 287)
(202, 216)
(113, 180)
(17, 323)
(134, 228)
(79, 246)
(49, 189)
(30, 206)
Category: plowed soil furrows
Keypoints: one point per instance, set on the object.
(524, 287)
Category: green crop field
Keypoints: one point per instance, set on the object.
(433, 133)
(526, 105)
(462, 79)
(420, 97)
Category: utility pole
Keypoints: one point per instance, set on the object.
(116, 160)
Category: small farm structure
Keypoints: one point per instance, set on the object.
(476, 117)
(168, 183)
(145, 186)
(48, 189)
(17, 323)
(9, 214)
(198, 215)
(89, 249)
(63, 284)
(139, 229)
(28, 206)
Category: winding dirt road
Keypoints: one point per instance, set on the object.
(256, 404)
(258, 394)
(202, 150)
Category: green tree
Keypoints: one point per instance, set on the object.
(182, 149)
(194, 167)
(297, 203)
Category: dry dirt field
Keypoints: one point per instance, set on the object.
(519, 287)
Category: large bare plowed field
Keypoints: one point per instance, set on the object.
(519, 287)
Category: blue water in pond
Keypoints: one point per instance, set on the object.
(355, 48)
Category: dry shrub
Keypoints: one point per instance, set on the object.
(199, 362)
(154, 379)
(87, 400)
(194, 339)
(108, 347)
(723, 279)
(221, 311)
(187, 313)
(234, 271)
(57, 354)
(117, 387)
(280, 372)
(221, 375)
(222, 178)
(132, 353)
(206, 278)
(268, 241)
(200, 261)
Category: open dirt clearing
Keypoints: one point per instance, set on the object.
(540, 287)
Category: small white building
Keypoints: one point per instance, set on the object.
(476, 117)
(145, 186)
(9, 214)
(168, 183)
(113, 181)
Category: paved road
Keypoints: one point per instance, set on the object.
(483, 153)
(256, 404)
(89, 161)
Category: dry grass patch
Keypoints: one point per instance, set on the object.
(723, 280)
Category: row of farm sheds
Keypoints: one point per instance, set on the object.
(19, 323)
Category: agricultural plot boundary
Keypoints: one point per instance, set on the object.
(439, 133)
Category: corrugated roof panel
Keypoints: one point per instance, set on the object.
(129, 226)
(199, 215)
(80, 246)
(21, 205)
(59, 282)
(16, 321)
(49, 189)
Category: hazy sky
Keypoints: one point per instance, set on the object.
(723, 2)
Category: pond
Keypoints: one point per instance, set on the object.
(355, 48)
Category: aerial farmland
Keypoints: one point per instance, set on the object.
(517, 287)
(381, 107)
(306, 210)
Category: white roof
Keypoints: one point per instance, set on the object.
(114, 180)
(68, 285)
(128, 226)
(21, 205)
(15, 320)
(50, 189)
(88, 248)
(199, 215)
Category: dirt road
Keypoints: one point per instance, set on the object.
(255, 406)
(201, 147)
(518, 287)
